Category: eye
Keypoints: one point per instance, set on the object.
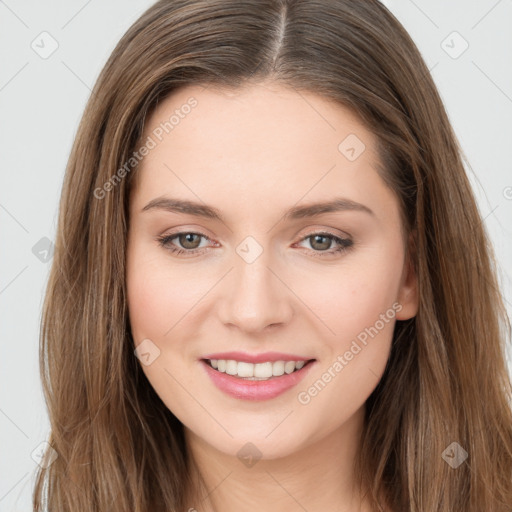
(187, 239)
(190, 243)
(321, 243)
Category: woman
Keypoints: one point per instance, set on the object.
(272, 289)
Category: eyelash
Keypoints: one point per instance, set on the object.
(344, 243)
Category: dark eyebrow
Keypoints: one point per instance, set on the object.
(335, 205)
(296, 212)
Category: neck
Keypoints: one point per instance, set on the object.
(318, 476)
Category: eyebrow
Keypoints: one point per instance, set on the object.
(297, 212)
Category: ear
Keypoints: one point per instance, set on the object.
(408, 292)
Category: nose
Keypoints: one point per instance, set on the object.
(255, 296)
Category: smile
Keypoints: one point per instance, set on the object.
(255, 381)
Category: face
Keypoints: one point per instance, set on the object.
(248, 270)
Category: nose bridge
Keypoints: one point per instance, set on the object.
(256, 297)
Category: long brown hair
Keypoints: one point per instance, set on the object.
(119, 448)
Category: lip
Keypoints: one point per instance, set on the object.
(256, 390)
(244, 357)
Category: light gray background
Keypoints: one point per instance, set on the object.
(41, 102)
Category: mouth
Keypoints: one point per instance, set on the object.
(256, 381)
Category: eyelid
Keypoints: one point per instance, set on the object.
(315, 230)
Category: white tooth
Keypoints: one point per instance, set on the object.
(245, 369)
(263, 370)
(231, 367)
(256, 371)
(278, 368)
(289, 366)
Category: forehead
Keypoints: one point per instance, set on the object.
(256, 141)
(265, 108)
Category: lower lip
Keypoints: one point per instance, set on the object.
(256, 389)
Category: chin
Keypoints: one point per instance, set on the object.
(249, 447)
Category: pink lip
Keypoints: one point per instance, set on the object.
(257, 358)
(256, 389)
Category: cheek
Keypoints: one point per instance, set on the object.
(150, 312)
(361, 318)
(157, 302)
(352, 297)
(356, 303)
(159, 294)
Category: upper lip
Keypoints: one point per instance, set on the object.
(257, 358)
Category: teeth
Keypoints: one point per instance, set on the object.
(259, 371)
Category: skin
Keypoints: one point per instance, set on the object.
(252, 153)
